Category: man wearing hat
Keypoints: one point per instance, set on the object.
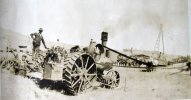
(37, 38)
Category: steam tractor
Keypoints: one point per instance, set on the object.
(81, 70)
(77, 71)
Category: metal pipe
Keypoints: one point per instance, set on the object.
(148, 64)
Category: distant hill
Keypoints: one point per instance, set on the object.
(13, 39)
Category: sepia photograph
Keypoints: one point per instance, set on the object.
(95, 50)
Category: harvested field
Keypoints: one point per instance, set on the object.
(163, 84)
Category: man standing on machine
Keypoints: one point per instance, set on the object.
(37, 38)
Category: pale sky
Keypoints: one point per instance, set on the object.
(130, 23)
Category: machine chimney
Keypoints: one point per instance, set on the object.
(104, 38)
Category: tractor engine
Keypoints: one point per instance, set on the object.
(81, 69)
(103, 65)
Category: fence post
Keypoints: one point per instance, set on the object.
(125, 85)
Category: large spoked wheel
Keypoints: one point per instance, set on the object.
(80, 73)
(9, 65)
(113, 79)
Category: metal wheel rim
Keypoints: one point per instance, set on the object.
(83, 72)
(114, 78)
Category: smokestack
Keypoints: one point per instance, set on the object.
(104, 38)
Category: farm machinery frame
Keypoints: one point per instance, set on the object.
(77, 70)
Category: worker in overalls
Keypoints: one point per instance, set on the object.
(22, 69)
(37, 38)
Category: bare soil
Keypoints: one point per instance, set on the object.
(167, 83)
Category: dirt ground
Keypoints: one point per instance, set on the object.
(169, 83)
